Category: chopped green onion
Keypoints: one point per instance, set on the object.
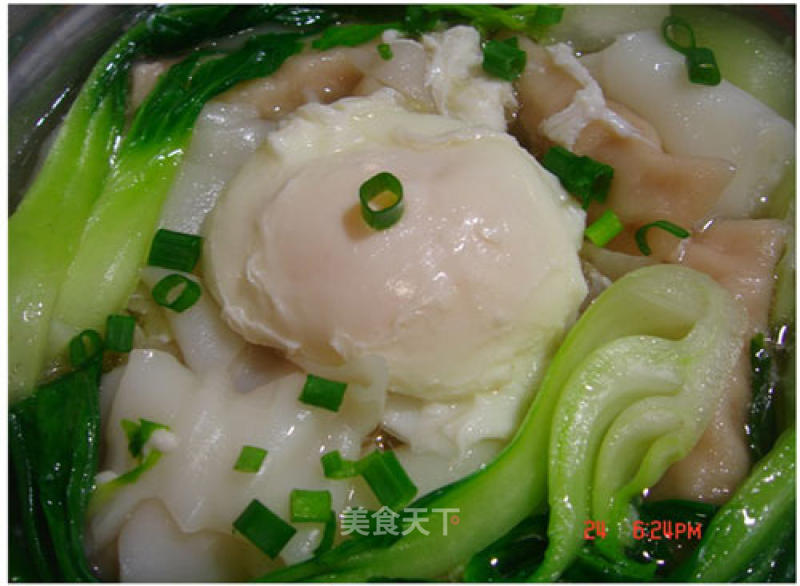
(703, 68)
(175, 250)
(139, 434)
(264, 529)
(188, 292)
(133, 474)
(583, 177)
(85, 347)
(336, 467)
(671, 26)
(418, 20)
(250, 459)
(641, 234)
(387, 479)
(119, 333)
(385, 51)
(603, 229)
(378, 185)
(328, 534)
(321, 392)
(700, 61)
(504, 59)
(310, 506)
(547, 15)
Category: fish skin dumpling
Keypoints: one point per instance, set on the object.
(640, 71)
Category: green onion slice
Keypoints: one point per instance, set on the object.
(387, 479)
(175, 250)
(504, 59)
(139, 434)
(703, 68)
(328, 534)
(176, 292)
(381, 185)
(547, 15)
(385, 51)
(603, 229)
(132, 475)
(671, 27)
(321, 392)
(641, 234)
(264, 529)
(336, 467)
(250, 459)
(84, 348)
(119, 333)
(587, 179)
(700, 61)
(310, 506)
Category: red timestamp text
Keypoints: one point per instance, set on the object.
(652, 530)
(656, 530)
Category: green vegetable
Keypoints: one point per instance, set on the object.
(387, 479)
(119, 333)
(114, 244)
(310, 506)
(388, 214)
(654, 304)
(334, 466)
(754, 57)
(604, 229)
(641, 234)
(84, 348)
(385, 51)
(513, 557)
(504, 59)
(46, 231)
(324, 393)
(583, 177)
(53, 448)
(670, 553)
(328, 534)
(381, 470)
(758, 518)
(350, 35)
(250, 459)
(700, 61)
(175, 250)
(762, 423)
(417, 20)
(139, 434)
(531, 20)
(634, 406)
(107, 490)
(264, 529)
(177, 292)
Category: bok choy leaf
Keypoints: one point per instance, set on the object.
(53, 447)
(662, 305)
(49, 247)
(749, 535)
(635, 405)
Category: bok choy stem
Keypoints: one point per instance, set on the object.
(120, 228)
(46, 233)
(758, 517)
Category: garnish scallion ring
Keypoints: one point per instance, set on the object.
(641, 234)
(176, 292)
(669, 28)
(700, 61)
(378, 185)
